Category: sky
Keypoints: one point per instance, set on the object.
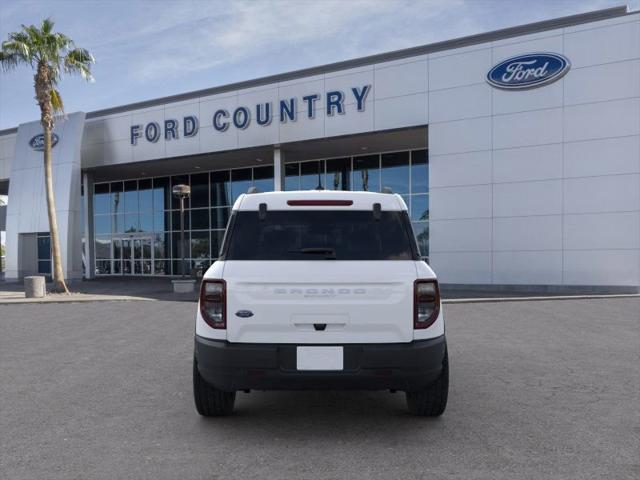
(150, 49)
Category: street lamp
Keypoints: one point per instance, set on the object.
(182, 192)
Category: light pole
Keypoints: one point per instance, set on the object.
(182, 192)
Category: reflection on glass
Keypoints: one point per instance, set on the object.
(101, 198)
(160, 241)
(102, 224)
(220, 192)
(420, 207)
(216, 242)
(395, 171)
(200, 219)
(366, 173)
(339, 174)
(117, 248)
(103, 247)
(117, 223)
(175, 220)
(421, 231)
(161, 267)
(44, 266)
(200, 190)
(127, 249)
(263, 178)
(117, 198)
(161, 194)
(240, 182)
(126, 267)
(145, 195)
(146, 222)
(419, 171)
(200, 244)
(131, 222)
(117, 267)
(131, 203)
(312, 175)
(219, 217)
(160, 222)
(292, 176)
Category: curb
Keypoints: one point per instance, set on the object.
(19, 301)
(537, 299)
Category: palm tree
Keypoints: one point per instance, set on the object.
(50, 55)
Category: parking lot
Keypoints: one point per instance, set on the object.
(539, 389)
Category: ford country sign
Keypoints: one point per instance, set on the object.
(37, 142)
(528, 71)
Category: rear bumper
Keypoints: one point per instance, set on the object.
(243, 366)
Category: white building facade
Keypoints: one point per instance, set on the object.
(517, 152)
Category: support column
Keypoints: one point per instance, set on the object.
(278, 169)
(87, 204)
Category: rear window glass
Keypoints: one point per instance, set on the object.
(320, 235)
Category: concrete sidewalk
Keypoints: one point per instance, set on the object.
(103, 289)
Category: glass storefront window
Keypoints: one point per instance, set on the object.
(144, 210)
(240, 182)
(161, 194)
(145, 195)
(175, 220)
(395, 171)
(220, 189)
(338, 174)
(200, 245)
(102, 224)
(200, 219)
(419, 171)
(312, 175)
(366, 173)
(420, 207)
(101, 199)
(219, 217)
(200, 190)
(421, 231)
(292, 176)
(117, 192)
(263, 178)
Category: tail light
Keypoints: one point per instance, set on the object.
(213, 303)
(426, 303)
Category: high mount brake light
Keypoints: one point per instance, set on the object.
(426, 303)
(213, 303)
(319, 203)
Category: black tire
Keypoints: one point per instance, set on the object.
(432, 401)
(210, 402)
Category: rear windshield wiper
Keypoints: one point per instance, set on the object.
(329, 253)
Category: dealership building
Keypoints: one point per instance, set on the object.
(517, 152)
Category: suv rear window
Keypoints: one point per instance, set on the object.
(320, 235)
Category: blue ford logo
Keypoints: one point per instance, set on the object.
(244, 313)
(37, 142)
(528, 71)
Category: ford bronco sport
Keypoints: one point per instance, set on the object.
(320, 290)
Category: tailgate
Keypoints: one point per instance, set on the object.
(315, 302)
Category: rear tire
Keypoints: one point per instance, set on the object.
(210, 402)
(432, 401)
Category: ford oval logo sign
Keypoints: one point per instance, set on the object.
(37, 142)
(528, 71)
(244, 313)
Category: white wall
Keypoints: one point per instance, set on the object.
(539, 186)
(7, 151)
(27, 206)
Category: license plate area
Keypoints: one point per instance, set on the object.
(320, 358)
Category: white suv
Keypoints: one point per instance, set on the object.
(320, 290)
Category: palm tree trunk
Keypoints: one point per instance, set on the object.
(59, 284)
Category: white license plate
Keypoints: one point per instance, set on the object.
(319, 358)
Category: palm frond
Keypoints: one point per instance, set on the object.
(79, 61)
(56, 101)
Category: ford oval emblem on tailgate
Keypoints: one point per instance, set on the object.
(244, 313)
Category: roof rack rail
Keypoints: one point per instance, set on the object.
(386, 190)
(253, 190)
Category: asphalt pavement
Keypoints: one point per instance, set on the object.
(539, 390)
